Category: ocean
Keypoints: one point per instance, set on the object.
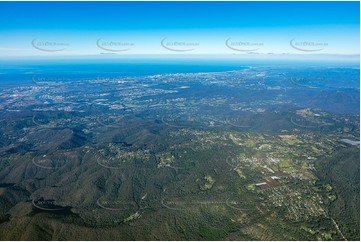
(22, 72)
(17, 72)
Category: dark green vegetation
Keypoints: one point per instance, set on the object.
(342, 173)
(245, 155)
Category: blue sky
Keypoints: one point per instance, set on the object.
(169, 28)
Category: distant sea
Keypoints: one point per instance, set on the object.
(18, 72)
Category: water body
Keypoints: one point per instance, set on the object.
(351, 142)
(49, 206)
(22, 71)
